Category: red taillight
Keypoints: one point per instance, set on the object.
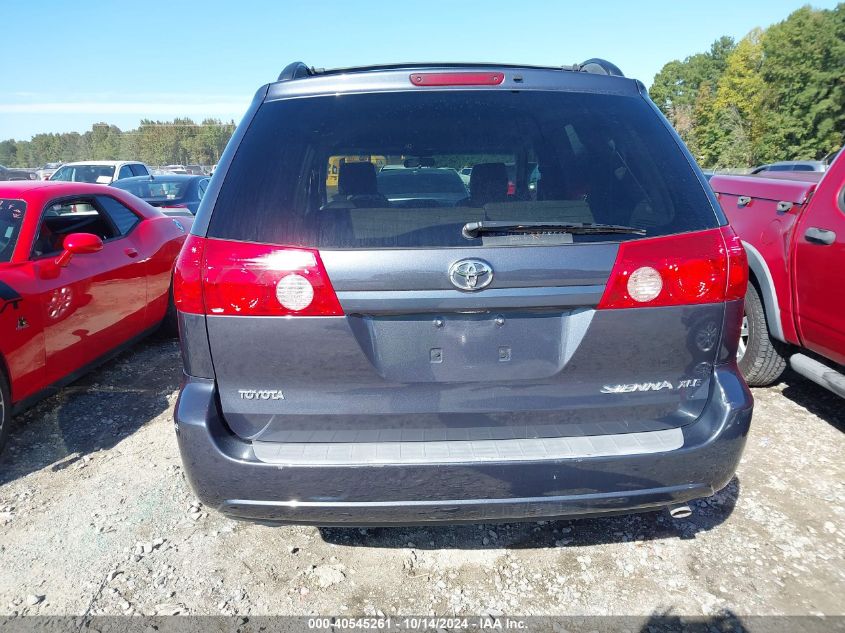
(246, 279)
(187, 276)
(737, 265)
(692, 268)
(457, 79)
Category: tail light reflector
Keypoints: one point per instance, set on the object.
(693, 268)
(246, 279)
(187, 276)
(737, 265)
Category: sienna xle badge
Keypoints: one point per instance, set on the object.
(373, 336)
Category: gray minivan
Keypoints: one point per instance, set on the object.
(559, 341)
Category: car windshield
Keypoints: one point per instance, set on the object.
(319, 173)
(11, 219)
(161, 188)
(102, 174)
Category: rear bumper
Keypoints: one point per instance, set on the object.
(226, 474)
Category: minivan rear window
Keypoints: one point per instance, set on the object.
(409, 169)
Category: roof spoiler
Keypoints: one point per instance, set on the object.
(600, 66)
(299, 70)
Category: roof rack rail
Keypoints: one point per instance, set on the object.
(600, 67)
(295, 70)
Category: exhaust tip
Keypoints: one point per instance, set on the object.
(681, 511)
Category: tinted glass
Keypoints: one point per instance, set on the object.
(403, 182)
(160, 189)
(319, 171)
(74, 215)
(779, 168)
(125, 172)
(85, 173)
(123, 218)
(803, 168)
(11, 219)
(139, 170)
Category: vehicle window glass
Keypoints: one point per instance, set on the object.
(123, 217)
(158, 190)
(779, 168)
(318, 172)
(139, 170)
(11, 219)
(203, 185)
(125, 172)
(76, 215)
(85, 173)
(803, 168)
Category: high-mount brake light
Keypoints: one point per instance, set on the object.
(692, 268)
(227, 278)
(457, 79)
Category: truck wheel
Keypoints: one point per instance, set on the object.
(5, 409)
(761, 359)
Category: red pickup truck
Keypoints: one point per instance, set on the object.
(793, 229)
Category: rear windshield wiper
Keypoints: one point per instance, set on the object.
(472, 230)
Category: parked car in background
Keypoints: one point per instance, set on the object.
(792, 165)
(102, 172)
(404, 356)
(794, 232)
(85, 270)
(9, 173)
(429, 186)
(44, 173)
(174, 194)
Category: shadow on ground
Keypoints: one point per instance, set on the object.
(707, 514)
(726, 622)
(94, 413)
(817, 400)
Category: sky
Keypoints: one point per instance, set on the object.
(81, 62)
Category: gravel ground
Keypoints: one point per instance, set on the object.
(96, 517)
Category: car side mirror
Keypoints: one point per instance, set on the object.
(78, 244)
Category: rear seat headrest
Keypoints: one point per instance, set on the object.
(357, 179)
(488, 183)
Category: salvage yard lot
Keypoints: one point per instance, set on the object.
(96, 516)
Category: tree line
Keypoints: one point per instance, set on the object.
(180, 141)
(776, 94)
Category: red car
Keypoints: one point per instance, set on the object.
(85, 270)
(793, 228)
